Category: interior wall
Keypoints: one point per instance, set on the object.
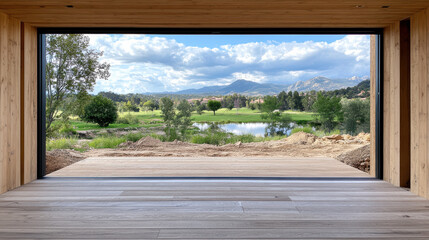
(18, 103)
(419, 103)
(10, 101)
(29, 103)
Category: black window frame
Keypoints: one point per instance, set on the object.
(41, 66)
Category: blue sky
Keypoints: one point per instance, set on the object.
(159, 63)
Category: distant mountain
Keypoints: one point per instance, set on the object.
(254, 89)
(322, 83)
(240, 86)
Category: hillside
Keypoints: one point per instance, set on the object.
(322, 84)
(240, 86)
(250, 88)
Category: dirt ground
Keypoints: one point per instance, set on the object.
(342, 147)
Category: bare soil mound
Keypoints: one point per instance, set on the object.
(60, 158)
(142, 143)
(357, 158)
(301, 138)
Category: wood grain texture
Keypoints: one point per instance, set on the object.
(396, 102)
(10, 103)
(56, 208)
(208, 167)
(206, 13)
(419, 103)
(29, 103)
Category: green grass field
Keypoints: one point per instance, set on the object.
(224, 115)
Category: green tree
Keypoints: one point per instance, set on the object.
(71, 68)
(214, 105)
(356, 116)
(131, 107)
(297, 101)
(173, 122)
(168, 115)
(149, 105)
(183, 117)
(327, 109)
(270, 104)
(282, 98)
(100, 110)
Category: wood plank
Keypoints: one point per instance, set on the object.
(208, 167)
(419, 103)
(29, 104)
(165, 209)
(9, 103)
(386, 103)
(203, 13)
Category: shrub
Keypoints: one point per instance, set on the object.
(302, 129)
(128, 119)
(60, 143)
(133, 137)
(66, 129)
(107, 142)
(100, 110)
(221, 138)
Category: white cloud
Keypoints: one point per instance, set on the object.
(141, 63)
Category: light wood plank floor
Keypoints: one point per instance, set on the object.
(64, 208)
(208, 167)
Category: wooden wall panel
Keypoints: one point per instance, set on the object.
(10, 59)
(419, 103)
(29, 103)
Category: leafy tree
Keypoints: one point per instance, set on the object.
(327, 109)
(283, 103)
(270, 104)
(71, 68)
(297, 101)
(168, 115)
(308, 100)
(183, 117)
(100, 110)
(214, 105)
(131, 107)
(356, 116)
(173, 122)
(150, 105)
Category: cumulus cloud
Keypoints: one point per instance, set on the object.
(144, 63)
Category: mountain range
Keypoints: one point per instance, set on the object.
(254, 89)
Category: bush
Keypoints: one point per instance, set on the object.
(302, 129)
(221, 138)
(67, 129)
(100, 110)
(133, 137)
(107, 142)
(60, 143)
(128, 119)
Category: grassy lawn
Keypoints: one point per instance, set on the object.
(83, 126)
(223, 115)
(154, 119)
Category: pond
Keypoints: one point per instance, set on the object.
(256, 129)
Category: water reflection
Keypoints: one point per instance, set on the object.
(257, 129)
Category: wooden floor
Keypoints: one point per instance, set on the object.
(107, 208)
(208, 167)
